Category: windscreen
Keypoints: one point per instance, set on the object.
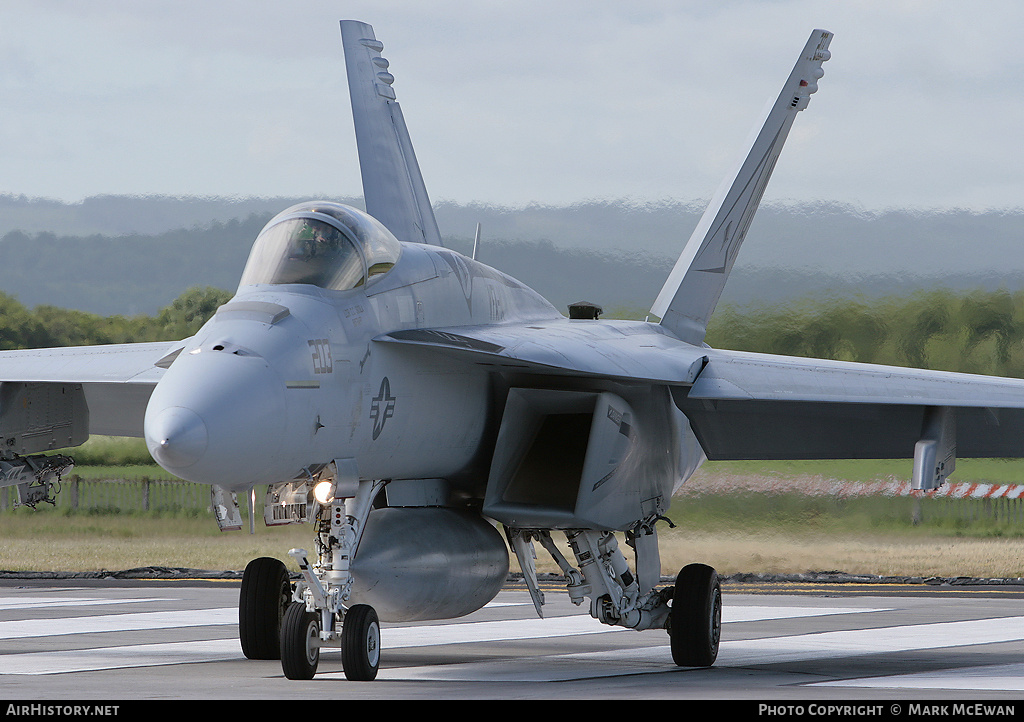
(325, 244)
(304, 250)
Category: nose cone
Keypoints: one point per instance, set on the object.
(219, 418)
(177, 437)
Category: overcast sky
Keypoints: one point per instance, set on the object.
(552, 102)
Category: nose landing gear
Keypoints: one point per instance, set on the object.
(301, 641)
(293, 625)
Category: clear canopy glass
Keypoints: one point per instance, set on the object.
(322, 244)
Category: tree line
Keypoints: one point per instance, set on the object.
(974, 332)
(46, 326)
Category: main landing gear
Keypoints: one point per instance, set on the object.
(277, 621)
(690, 611)
(265, 595)
(695, 620)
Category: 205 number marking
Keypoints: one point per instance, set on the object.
(322, 362)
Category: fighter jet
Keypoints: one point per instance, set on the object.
(426, 413)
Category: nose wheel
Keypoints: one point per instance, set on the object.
(301, 641)
(360, 643)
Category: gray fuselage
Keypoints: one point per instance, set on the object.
(285, 377)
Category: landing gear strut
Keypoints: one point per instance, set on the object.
(277, 621)
(691, 611)
(320, 614)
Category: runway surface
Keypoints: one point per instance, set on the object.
(136, 640)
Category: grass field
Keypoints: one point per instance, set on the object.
(735, 532)
(50, 541)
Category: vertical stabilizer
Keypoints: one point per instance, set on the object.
(696, 282)
(393, 187)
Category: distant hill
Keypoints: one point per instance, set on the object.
(131, 215)
(128, 255)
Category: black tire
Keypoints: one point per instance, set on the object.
(695, 621)
(266, 593)
(300, 642)
(360, 643)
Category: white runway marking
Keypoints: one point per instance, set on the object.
(130, 656)
(584, 665)
(20, 629)
(771, 650)
(760, 614)
(886, 640)
(147, 655)
(495, 605)
(468, 632)
(536, 628)
(50, 602)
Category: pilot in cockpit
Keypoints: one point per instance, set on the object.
(315, 239)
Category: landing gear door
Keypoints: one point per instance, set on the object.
(225, 508)
(287, 502)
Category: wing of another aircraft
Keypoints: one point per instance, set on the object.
(116, 381)
(393, 187)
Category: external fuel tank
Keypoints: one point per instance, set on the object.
(420, 563)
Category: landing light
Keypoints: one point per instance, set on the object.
(324, 492)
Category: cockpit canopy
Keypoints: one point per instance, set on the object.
(323, 244)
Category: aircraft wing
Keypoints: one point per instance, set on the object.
(738, 375)
(627, 352)
(117, 379)
(745, 405)
(759, 406)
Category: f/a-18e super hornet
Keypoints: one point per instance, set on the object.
(409, 401)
